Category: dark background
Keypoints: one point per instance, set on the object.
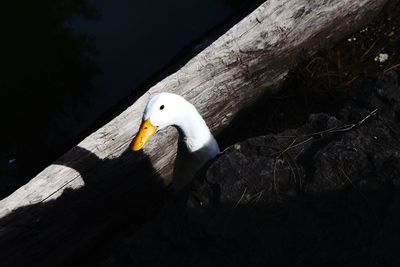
(69, 66)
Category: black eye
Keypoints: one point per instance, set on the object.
(161, 107)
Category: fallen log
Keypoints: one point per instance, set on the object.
(230, 74)
(251, 58)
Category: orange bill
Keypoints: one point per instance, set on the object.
(145, 132)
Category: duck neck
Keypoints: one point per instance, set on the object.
(195, 132)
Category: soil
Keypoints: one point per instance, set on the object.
(324, 82)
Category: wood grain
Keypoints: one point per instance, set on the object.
(230, 74)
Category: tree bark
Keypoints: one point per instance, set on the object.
(251, 58)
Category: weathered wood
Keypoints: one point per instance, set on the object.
(249, 59)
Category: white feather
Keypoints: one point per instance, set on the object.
(167, 109)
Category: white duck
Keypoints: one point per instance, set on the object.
(196, 143)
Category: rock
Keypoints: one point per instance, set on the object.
(325, 154)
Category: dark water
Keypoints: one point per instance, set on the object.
(66, 63)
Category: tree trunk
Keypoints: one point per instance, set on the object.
(106, 182)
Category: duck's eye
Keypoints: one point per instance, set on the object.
(161, 107)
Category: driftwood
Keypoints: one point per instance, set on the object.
(248, 60)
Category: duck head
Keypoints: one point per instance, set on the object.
(165, 109)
